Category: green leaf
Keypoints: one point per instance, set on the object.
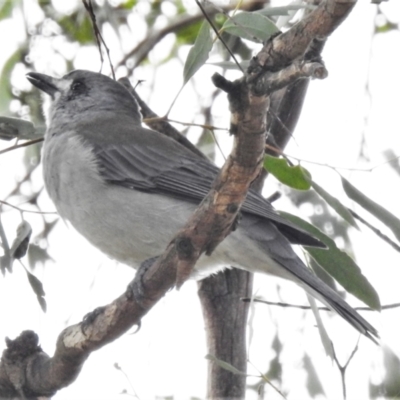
(339, 265)
(77, 29)
(391, 221)
(129, 4)
(335, 204)
(6, 7)
(188, 34)
(295, 177)
(251, 26)
(199, 52)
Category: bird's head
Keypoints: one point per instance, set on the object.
(83, 94)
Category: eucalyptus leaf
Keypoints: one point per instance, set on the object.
(199, 52)
(390, 220)
(339, 265)
(295, 177)
(335, 204)
(250, 25)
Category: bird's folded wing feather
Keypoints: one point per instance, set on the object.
(157, 164)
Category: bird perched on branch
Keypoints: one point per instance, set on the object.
(128, 189)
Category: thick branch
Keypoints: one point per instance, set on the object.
(293, 44)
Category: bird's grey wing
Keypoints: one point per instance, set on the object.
(155, 163)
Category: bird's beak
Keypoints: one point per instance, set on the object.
(43, 82)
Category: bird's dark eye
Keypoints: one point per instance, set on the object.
(77, 86)
(77, 90)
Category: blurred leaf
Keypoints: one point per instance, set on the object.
(295, 177)
(129, 4)
(339, 265)
(390, 386)
(199, 52)
(180, 7)
(206, 143)
(224, 365)
(37, 255)
(251, 26)
(5, 264)
(391, 221)
(313, 383)
(77, 28)
(37, 287)
(5, 79)
(21, 242)
(335, 204)
(188, 34)
(392, 160)
(6, 7)
(321, 217)
(323, 334)
(17, 128)
(275, 365)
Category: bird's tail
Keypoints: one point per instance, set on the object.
(279, 259)
(321, 291)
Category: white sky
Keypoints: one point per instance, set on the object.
(166, 357)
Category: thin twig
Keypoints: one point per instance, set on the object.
(166, 119)
(342, 369)
(17, 146)
(27, 211)
(99, 38)
(300, 307)
(376, 231)
(218, 34)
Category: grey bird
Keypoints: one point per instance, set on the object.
(128, 189)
